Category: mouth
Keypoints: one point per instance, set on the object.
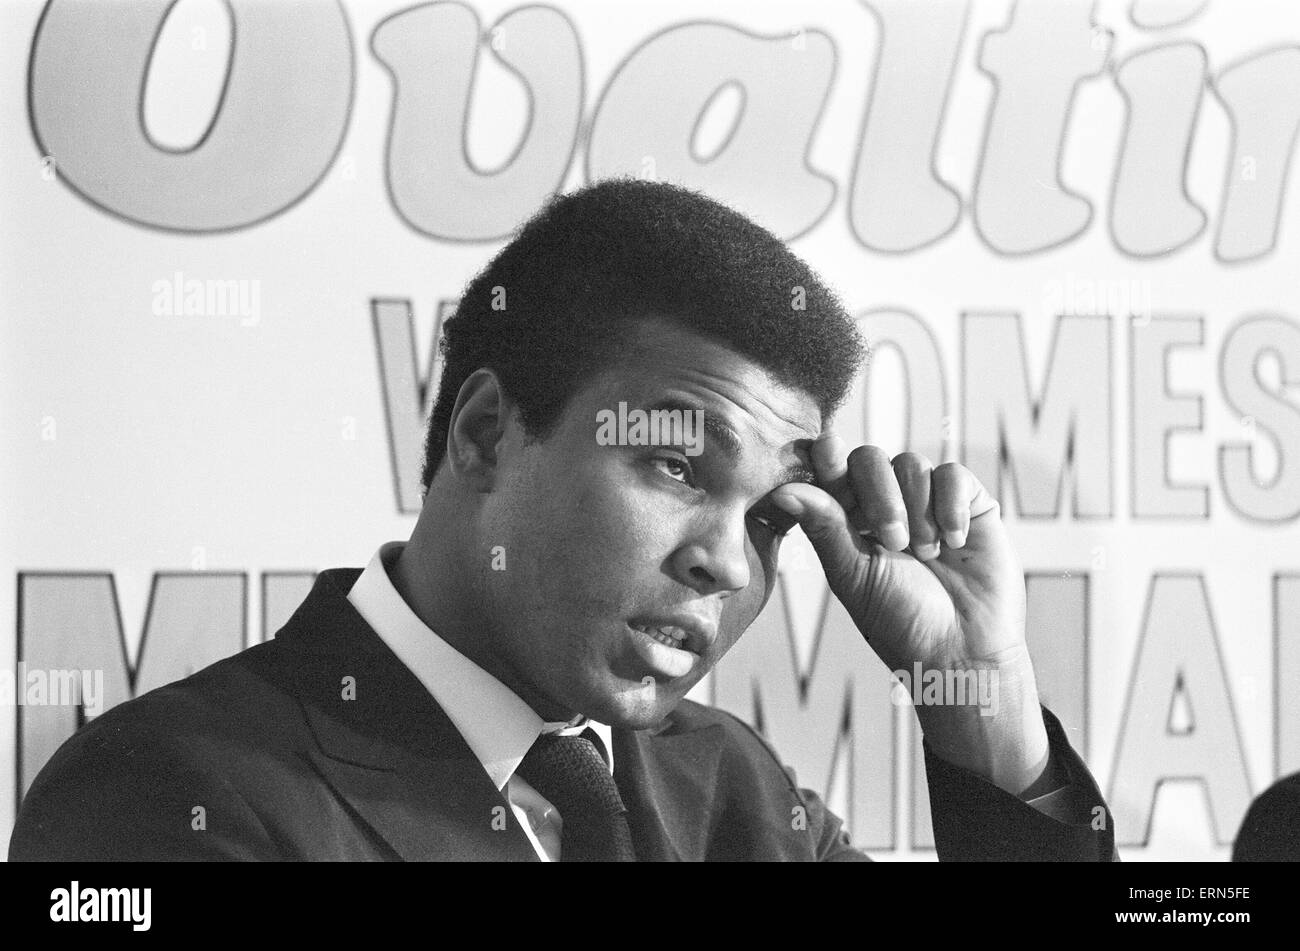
(667, 634)
(663, 654)
(669, 649)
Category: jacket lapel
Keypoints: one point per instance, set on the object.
(384, 745)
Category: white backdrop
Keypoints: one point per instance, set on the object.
(1067, 230)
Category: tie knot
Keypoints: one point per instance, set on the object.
(571, 772)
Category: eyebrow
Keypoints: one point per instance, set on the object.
(730, 442)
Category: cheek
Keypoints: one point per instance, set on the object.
(593, 529)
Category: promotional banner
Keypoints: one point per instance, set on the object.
(232, 232)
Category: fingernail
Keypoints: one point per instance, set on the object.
(894, 536)
(954, 538)
(927, 551)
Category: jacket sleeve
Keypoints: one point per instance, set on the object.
(974, 820)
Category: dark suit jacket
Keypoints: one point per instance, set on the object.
(1271, 830)
(259, 756)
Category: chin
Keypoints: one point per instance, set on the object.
(634, 706)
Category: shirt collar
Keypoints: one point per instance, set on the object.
(498, 726)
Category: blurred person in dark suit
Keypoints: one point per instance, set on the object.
(510, 683)
(1271, 830)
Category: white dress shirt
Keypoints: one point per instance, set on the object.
(497, 725)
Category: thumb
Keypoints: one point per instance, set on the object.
(827, 526)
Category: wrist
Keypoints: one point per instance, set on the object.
(1001, 736)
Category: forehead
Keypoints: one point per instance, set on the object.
(662, 364)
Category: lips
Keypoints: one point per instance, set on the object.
(661, 654)
(671, 645)
(669, 634)
(680, 631)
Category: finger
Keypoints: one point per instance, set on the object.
(824, 521)
(912, 470)
(875, 489)
(958, 497)
(830, 459)
(950, 488)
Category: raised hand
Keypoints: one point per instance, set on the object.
(921, 560)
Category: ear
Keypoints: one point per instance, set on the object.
(477, 428)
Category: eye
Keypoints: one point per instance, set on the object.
(677, 469)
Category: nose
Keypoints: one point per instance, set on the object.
(714, 560)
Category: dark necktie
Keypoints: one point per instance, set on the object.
(572, 774)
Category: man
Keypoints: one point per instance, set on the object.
(1270, 831)
(510, 683)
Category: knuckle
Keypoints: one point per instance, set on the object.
(949, 471)
(866, 456)
(911, 463)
